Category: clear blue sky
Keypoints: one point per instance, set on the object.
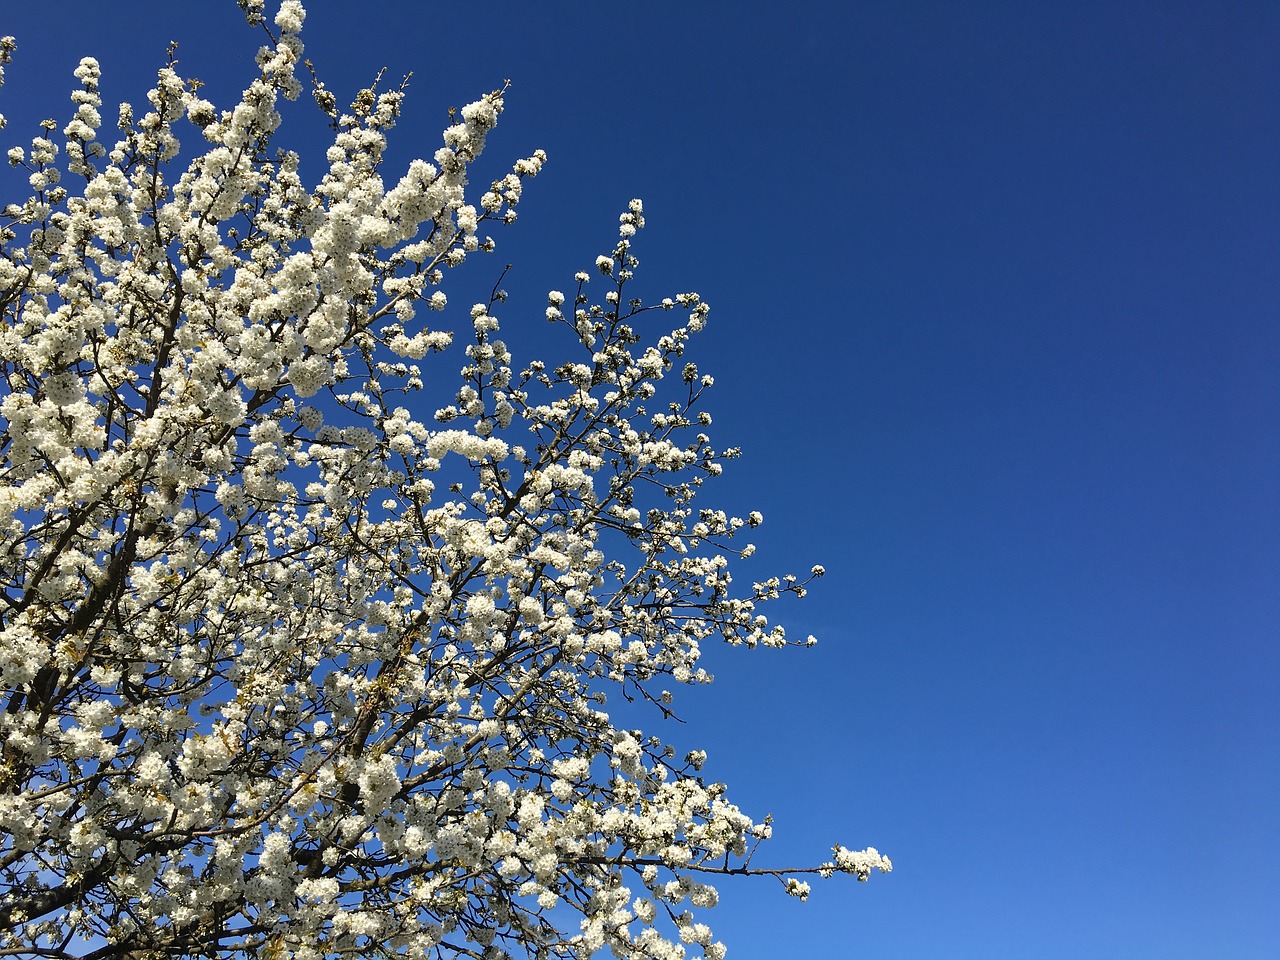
(995, 294)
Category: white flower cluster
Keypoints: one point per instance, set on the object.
(290, 669)
(860, 863)
(7, 46)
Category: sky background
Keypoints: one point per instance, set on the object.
(994, 292)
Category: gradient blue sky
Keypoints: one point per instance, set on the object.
(994, 294)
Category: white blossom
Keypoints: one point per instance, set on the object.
(292, 668)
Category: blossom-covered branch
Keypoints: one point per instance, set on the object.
(299, 656)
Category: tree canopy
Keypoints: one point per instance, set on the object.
(306, 635)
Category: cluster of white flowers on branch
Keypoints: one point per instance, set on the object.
(291, 668)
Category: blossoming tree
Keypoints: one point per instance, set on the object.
(293, 663)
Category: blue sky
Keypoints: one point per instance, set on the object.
(994, 293)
